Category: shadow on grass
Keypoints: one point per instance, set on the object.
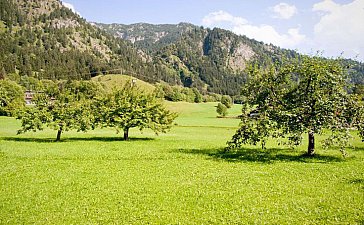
(357, 148)
(264, 156)
(72, 139)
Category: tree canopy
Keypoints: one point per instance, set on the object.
(71, 109)
(130, 107)
(11, 97)
(221, 109)
(304, 95)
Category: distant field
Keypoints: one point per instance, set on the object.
(181, 177)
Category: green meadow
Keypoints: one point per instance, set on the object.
(181, 177)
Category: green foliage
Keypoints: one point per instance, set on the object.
(11, 97)
(227, 101)
(221, 109)
(197, 95)
(70, 108)
(178, 94)
(130, 107)
(151, 33)
(305, 95)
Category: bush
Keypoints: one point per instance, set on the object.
(227, 101)
(221, 109)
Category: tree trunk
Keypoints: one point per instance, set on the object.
(59, 134)
(311, 143)
(126, 134)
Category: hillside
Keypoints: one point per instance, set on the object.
(111, 81)
(148, 37)
(211, 60)
(45, 40)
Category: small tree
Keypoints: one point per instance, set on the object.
(198, 95)
(130, 107)
(221, 109)
(307, 95)
(68, 111)
(227, 101)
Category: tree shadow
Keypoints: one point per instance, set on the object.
(73, 139)
(357, 148)
(357, 182)
(261, 156)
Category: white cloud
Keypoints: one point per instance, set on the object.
(265, 33)
(220, 17)
(71, 7)
(284, 11)
(340, 28)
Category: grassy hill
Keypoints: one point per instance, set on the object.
(181, 177)
(118, 81)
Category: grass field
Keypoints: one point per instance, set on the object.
(117, 80)
(181, 177)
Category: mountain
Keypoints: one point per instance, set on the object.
(42, 38)
(148, 37)
(211, 60)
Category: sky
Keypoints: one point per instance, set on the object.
(331, 27)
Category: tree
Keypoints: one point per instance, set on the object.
(131, 107)
(67, 111)
(227, 101)
(303, 95)
(2, 73)
(11, 97)
(198, 95)
(221, 109)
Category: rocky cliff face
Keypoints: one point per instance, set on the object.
(241, 55)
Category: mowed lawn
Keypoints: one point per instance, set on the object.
(181, 177)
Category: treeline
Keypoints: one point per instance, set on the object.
(179, 93)
(84, 105)
(14, 86)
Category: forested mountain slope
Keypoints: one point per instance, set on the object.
(47, 40)
(148, 37)
(44, 39)
(209, 59)
(212, 60)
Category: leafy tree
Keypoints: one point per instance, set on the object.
(198, 95)
(68, 111)
(305, 95)
(359, 90)
(130, 107)
(11, 97)
(227, 101)
(50, 88)
(221, 109)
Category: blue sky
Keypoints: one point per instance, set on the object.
(331, 26)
